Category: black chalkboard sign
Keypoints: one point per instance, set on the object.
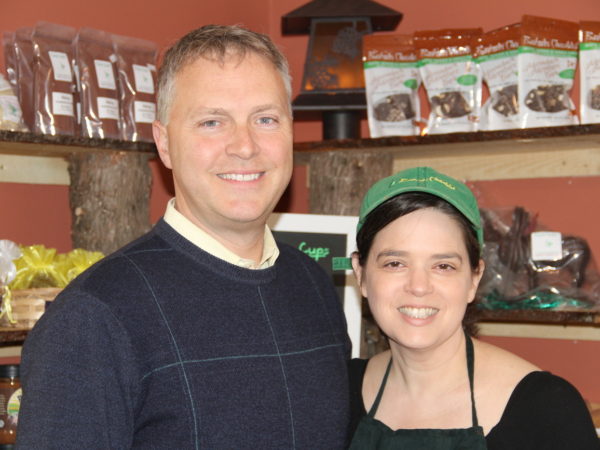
(324, 237)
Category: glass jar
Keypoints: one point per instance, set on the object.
(10, 401)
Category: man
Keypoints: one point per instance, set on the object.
(203, 333)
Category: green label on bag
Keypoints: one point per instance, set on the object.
(467, 80)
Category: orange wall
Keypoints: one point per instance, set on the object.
(40, 214)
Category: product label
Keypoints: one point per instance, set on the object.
(11, 111)
(143, 79)
(145, 112)
(546, 246)
(13, 406)
(105, 74)
(62, 104)
(60, 66)
(108, 108)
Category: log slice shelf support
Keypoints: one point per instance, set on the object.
(109, 183)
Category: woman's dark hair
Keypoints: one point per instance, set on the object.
(404, 204)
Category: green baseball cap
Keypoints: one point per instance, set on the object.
(420, 179)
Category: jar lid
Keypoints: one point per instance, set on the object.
(9, 371)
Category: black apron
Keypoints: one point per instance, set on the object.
(373, 434)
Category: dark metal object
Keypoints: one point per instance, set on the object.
(341, 124)
(333, 81)
(298, 21)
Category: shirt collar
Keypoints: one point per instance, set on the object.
(209, 244)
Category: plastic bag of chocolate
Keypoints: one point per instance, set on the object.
(589, 72)
(546, 63)
(54, 83)
(529, 267)
(496, 54)
(11, 117)
(391, 85)
(95, 59)
(136, 64)
(24, 71)
(451, 77)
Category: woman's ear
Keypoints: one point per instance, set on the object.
(476, 279)
(358, 273)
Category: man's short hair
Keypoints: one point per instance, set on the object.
(216, 43)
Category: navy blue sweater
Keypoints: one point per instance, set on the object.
(163, 346)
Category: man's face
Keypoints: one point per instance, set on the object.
(228, 142)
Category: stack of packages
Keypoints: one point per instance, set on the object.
(82, 82)
(528, 69)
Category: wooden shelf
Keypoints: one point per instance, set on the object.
(489, 155)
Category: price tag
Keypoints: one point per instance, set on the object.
(546, 246)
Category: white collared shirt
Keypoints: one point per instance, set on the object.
(209, 244)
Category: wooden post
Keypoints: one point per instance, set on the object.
(109, 198)
(339, 180)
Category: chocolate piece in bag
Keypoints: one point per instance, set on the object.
(94, 56)
(25, 60)
(136, 64)
(549, 98)
(450, 104)
(54, 83)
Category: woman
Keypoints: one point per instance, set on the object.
(418, 263)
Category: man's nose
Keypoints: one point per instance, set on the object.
(243, 143)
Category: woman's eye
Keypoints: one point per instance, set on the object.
(446, 267)
(393, 264)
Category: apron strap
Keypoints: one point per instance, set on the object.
(470, 370)
(373, 409)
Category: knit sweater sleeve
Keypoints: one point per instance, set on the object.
(544, 411)
(77, 368)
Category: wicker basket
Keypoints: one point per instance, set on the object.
(28, 305)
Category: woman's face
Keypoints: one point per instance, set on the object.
(418, 280)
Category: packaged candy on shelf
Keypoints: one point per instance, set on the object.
(589, 72)
(55, 89)
(546, 64)
(451, 78)
(391, 85)
(496, 53)
(95, 59)
(531, 267)
(136, 64)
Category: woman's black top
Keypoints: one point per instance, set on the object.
(544, 412)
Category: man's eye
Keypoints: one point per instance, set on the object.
(267, 120)
(446, 266)
(209, 123)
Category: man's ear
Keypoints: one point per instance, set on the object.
(161, 139)
(358, 273)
